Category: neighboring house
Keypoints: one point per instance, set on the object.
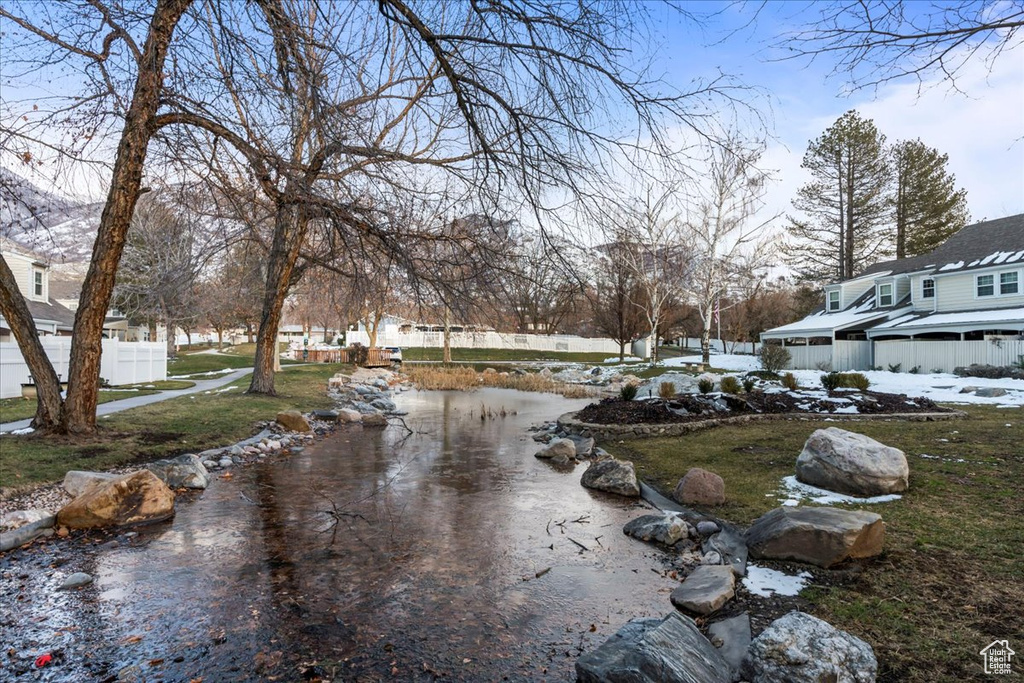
(959, 304)
(32, 273)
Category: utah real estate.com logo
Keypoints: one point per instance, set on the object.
(997, 655)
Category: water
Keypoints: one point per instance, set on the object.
(373, 555)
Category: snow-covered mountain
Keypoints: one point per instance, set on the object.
(60, 228)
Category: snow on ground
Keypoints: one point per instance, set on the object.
(793, 491)
(627, 359)
(768, 582)
(939, 387)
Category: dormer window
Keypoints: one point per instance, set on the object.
(885, 294)
(928, 289)
(986, 285)
(37, 282)
(1008, 283)
(833, 300)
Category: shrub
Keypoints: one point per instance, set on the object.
(851, 380)
(764, 374)
(914, 370)
(830, 380)
(628, 392)
(774, 357)
(667, 389)
(730, 385)
(705, 385)
(789, 381)
(748, 384)
(896, 367)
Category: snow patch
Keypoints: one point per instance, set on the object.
(792, 489)
(767, 582)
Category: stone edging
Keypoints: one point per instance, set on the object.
(601, 432)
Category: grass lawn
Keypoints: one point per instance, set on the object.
(180, 425)
(950, 580)
(230, 358)
(504, 355)
(12, 409)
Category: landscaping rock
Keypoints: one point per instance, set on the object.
(707, 588)
(375, 419)
(384, 404)
(293, 421)
(584, 445)
(731, 547)
(613, 476)
(558, 447)
(732, 638)
(706, 528)
(799, 648)
(326, 415)
(346, 415)
(669, 650)
(26, 533)
(846, 462)
(990, 392)
(76, 580)
(185, 471)
(700, 487)
(77, 482)
(667, 529)
(19, 518)
(137, 498)
(225, 462)
(818, 536)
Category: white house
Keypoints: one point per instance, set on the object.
(959, 304)
(33, 276)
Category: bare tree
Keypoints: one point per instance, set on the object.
(617, 299)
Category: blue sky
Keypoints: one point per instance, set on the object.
(981, 129)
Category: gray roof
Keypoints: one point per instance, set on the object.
(64, 317)
(972, 247)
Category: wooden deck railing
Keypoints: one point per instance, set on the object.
(375, 358)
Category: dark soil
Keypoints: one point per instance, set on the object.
(695, 407)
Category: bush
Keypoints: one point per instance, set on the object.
(764, 374)
(850, 380)
(895, 368)
(667, 389)
(748, 384)
(990, 371)
(830, 380)
(774, 357)
(705, 385)
(730, 385)
(628, 392)
(789, 381)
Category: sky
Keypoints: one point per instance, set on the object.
(981, 128)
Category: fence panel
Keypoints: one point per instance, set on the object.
(809, 357)
(946, 355)
(851, 355)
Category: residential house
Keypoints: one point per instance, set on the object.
(32, 274)
(959, 304)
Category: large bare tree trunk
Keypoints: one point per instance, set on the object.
(18, 317)
(80, 406)
(289, 232)
(446, 357)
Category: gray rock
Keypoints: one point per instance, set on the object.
(561, 459)
(706, 528)
(990, 392)
(732, 638)
(799, 648)
(225, 462)
(184, 471)
(210, 464)
(380, 384)
(667, 529)
(237, 450)
(669, 650)
(348, 415)
(19, 518)
(711, 557)
(76, 580)
(375, 419)
(732, 548)
(851, 463)
(77, 482)
(542, 437)
(818, 536)
(26, 533)
(584, 445)
(384, 404)
(558, 447)
(707, 588)
(613, 476)
(326, 415)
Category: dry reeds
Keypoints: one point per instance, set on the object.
(462, 378)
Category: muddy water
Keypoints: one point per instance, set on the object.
(370, 556)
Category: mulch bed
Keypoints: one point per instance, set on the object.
(695, 407)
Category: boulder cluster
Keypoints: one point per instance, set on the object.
(364, 396)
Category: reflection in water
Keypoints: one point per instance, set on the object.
(381, 555)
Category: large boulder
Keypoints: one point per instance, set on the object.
(26, 533)
(613, 476)
(185, 471)
(799, 648)
(584, 445)
(816, 535)
(374, 419)
(17, 518)
(668, 529)
(700, 487)
(669, 650)
(851, 463)
(77, 482)
(558, 448)
(136, 498)
(293, 421)
(732, 638)
(707, 588)
(347, 415)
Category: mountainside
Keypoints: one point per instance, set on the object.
(61, 229)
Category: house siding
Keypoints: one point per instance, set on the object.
(852, 290)
(957, 292)
(22, 270)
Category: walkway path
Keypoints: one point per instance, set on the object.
(137, 401)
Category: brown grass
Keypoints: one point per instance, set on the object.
(461, 378)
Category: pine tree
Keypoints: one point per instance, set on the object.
(928, 208)
(846, 205)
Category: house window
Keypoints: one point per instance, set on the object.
(1008, 283)
(37, 282)
(833, 301)
(928, 289)
(885, 295)
(986, 285)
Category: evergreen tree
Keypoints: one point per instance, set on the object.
(846, 205)
(928, 208)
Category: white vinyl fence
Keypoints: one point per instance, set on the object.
(490, 340)
(120, 363)
(809, 357)
(946, 355)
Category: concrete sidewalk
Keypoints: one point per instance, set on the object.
(137, 401)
